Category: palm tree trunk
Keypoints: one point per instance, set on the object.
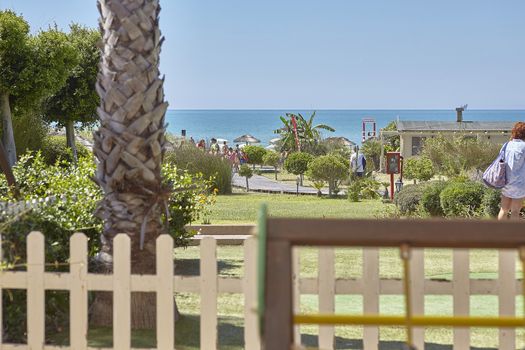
(129, 143)
(8, 136)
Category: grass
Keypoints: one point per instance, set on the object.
(243, 207)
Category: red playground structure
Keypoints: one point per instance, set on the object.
(369, 134)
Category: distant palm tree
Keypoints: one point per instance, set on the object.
(308, 134)
(129, 143)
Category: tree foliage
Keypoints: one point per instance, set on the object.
(297, 163)
(272, 159)
(371, 149)
(330, 168)
(418, 168)
(308, 134)
(255, 154)
(75, 104)
(391, 143)
(33, 67)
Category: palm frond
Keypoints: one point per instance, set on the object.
(324, 127)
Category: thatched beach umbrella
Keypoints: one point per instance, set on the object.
(247, 139)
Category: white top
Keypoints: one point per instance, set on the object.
(357, 164)
(515, 169)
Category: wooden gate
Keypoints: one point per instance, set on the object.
(277, 294)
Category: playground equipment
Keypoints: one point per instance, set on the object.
(277, 236)
(369, 134)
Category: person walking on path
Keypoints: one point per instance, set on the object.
(358, 163)
(513, 194)
(234, 159)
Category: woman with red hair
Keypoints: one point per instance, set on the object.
(513, 194)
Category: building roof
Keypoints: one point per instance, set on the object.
(405, 125)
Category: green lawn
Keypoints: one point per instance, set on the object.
(243, 207)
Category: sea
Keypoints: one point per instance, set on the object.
(230, 124)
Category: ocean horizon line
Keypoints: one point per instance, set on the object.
(343, 109)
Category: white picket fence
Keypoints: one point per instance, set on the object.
(10, 209)
(209, 284)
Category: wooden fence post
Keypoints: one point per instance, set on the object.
(296, 286)
(418, 292)
(165, 297)
(251, 321)
(370, 280)
(121, 292)
(507, 296)
(278, 334)
(461, 296)
(78, 300)
(326, 286)
(208, 269)
(35, 291)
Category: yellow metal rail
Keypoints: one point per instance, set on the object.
(415, 321)
(409, 320)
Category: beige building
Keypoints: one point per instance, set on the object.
(413, 133)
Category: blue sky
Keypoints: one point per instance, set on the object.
(331, 54)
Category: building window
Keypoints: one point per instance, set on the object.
(417, 144)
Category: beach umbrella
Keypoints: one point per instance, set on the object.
(247, 139)
(222, 140)
(270, 147)
(275, 140)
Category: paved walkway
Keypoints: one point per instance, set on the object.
(263, 184)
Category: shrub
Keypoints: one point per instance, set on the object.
(255, 154)
(418, 168)
(453, 156)
(408, 199)
(318, 185)
(28, 138)
(330, 169)
(353, 191)
(430, 200)
(297, 163)
(272, 159)
(54, 148)
(335, 146)
(195, 161)
(369, 188)
(461, 198)
(491, 202)
(76, 198)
